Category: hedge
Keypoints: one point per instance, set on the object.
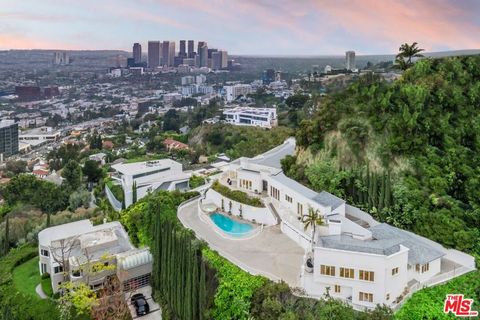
(237, 195)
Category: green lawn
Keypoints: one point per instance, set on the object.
(47, 286)
(26, 277)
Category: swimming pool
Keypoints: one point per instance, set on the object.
(230, 226)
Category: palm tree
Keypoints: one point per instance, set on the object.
(312, 219)
(406, 54)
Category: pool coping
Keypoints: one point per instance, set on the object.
(205, 218)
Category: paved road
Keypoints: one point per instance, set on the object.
(271, 253)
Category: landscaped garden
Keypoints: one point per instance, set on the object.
(237, 195)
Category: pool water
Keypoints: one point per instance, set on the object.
(230, 226)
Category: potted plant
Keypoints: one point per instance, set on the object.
(230, 207)
(240, 210)
(223, 206)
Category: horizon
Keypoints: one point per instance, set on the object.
(244, 28)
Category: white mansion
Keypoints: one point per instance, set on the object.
(355, 258)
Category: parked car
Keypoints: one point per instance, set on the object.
(140, 303)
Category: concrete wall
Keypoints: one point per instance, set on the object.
(260, 215)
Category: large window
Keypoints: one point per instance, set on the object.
(337, 288)
(288, 198)
(57, 269)
(144, 174)
(44, 268)
(44, 252)
(394, 271)
(275, 193)
(300, 209)
(346, 272)
(246, 184)
(366, 275)
(365, 296)
(425, 267)
(327, 270)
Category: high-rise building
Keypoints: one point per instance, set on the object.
(61, 58)
(216, 60)
(191, 45)
(350, 60)
(153, 54)
(182, 52)
(168, 53)
(200, 44)
(8, 138)
(203, 53)
(223, 59)
(137, 53)
(268, 76)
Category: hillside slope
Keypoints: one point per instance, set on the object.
(408, 152)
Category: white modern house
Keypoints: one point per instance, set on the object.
(352, 256)
(69, 252)
(148, 176)
(248, 116)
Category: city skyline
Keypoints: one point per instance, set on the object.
(315, 27)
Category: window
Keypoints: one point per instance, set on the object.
(275, 193)
(425, 267)
(44, 252)
(288, 198)
(327, 270)
(346, 272)
(364, 296)
(246, 184)
(57, 269)
(300, 209)
(394, 271)
(366, 275)
(44, 268)
(417, 267)
(388, 296)
(337, 288)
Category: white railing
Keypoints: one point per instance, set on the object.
(117, 205)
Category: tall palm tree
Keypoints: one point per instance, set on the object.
(406, 53)
(312, 219)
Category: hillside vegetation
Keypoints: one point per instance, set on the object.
(408, 151)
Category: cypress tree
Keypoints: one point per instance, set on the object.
(7, 236)
(388, 192)
(202, 291)
(134, 192)
(195, 280)
(375, 190)
(381, 200)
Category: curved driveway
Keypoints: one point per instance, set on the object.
(270, 253)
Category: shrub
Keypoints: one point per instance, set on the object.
(237, 195)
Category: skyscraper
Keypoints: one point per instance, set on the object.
(168, 53)
(203, 53)
(182, 53)
(216, 60)
(61, 58)
(137, 53)
(8, 138)
(223, 59)
(191, 45)
(350, 60)
(200, 44)
(153, 54)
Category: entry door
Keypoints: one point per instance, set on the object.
(265, 185)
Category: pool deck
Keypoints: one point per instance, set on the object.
(269, 253)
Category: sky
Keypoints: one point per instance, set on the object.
(250, 27)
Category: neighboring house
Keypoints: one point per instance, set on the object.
(98, 157)
(171, 144)
(149, 176)
(355, 258)
(248, 116)
(77, 246)
(40, 173)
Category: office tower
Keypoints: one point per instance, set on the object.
(350, 60)
(210, 52)
(203, 53)
(61, 58)
(168, 53)
(8, 138)
(216, 60)
(153, 54)
(223, 59)
(191, 45)
(200, 44)
(268, 76)
(182, 53)
(137, 53)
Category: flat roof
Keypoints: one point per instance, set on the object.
(64, 231)
(144, 166)
(272, 157)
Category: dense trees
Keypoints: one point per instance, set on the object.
(407, 151)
